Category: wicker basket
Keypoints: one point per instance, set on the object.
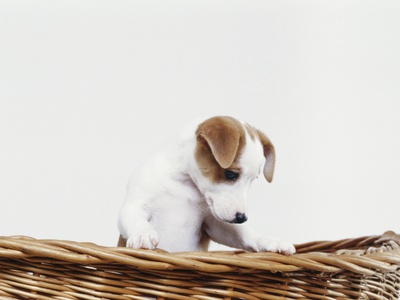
(361, 268)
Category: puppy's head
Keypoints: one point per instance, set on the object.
(230, 155)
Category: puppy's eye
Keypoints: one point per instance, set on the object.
(231, 176)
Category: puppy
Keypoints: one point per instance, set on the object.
(195, 190)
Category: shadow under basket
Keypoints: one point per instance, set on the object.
(360, 268)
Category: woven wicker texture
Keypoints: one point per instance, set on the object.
(361, 268)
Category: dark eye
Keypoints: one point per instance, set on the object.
(231, 176)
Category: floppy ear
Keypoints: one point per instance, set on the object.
(269, 154)
(222, 136)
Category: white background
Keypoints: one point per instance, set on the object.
(89, 89)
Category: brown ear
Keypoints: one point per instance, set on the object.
(269, 154)
(222, 134)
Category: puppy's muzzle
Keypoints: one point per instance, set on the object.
(239, 218)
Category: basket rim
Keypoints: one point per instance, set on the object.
(363, 255)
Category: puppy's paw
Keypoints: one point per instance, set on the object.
(264, 244)
(145, 240)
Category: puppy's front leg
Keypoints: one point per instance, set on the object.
(241, 237)
(135, 228)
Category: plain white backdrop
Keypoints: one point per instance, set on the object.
(89, 89)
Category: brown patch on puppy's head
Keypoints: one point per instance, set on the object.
(219, 144)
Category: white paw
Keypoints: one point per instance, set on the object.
(264, 244)
(145, 240)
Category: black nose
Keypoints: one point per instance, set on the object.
(240, 218)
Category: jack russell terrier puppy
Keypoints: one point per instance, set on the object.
(196, 190)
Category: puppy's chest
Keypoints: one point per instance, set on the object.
(179, 212)
(180, 208)
(179, 225)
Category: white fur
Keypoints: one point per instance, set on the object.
(170, 204)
